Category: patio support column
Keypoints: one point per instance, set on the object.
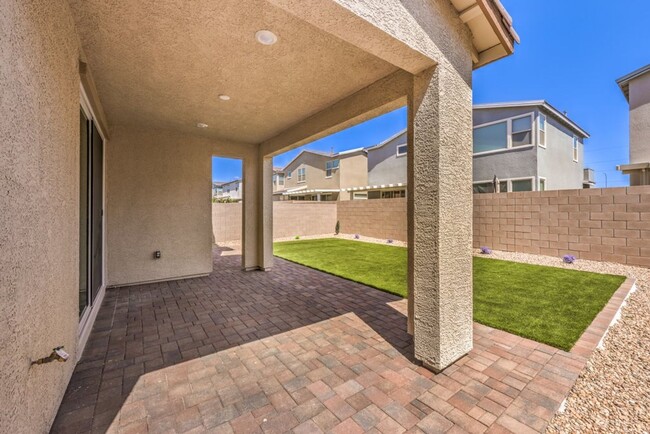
(257, 213)
(440, 215)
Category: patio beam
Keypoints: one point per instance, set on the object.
(363, 27)
(440, 215)
(382, 96)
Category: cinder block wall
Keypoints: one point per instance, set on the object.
(290, 219)
(599, 224)
(377, 218)
(226, 222)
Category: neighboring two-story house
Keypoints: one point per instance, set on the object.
(319, 176)
(528, 146)
(386, 169)
(233, 190)
(636, 88)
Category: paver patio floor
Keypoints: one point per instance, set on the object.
(295, 349)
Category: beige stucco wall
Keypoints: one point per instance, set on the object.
(354, 170)
(639, 90)
(314, 165)
(39, 136)
(158, 197)
(611, 224)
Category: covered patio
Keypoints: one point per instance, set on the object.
(112, 113)
(295, 349)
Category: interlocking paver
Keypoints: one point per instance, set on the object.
(296, 349)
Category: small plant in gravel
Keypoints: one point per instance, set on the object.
(486, 250)
(297, 237)
(568, 259)
(337, 228)
(356, 236)
(389, 241)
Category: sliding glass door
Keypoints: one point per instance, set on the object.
(91, 210)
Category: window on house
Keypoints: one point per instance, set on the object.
(330, 166)
(393, 194)
(361, 196)
(289, 174)
(301, 174)
(522, 131)
(541, 120)
(522, 185)
(491, 137)
(401, 150)
(488, 187)
(575, 148)
(542, 184)
(281, 179)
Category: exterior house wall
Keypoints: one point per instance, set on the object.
(555, 162)
(512, 163)
(39, 209)
(314, 165)
(384, 166)
(158, 198)
(353, 170)
(639, 91)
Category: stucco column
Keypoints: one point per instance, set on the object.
(440, 215)
(257, 213)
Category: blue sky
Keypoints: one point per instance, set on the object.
(571, 54)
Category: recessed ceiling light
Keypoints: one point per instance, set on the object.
(266, 37)
(202, 125)
(223, 97)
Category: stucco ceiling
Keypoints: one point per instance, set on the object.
(163, 64)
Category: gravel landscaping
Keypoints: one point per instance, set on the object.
(613, 392)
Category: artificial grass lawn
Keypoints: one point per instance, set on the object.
(547, 304)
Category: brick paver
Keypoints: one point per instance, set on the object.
(295, 349)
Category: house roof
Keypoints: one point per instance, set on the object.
(537, 103)
(388, 140)
(624, 82)
(323, 154)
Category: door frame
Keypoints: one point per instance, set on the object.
(87, 320)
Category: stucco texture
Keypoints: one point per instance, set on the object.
(158, 198)
(640, 119)
(39, 163)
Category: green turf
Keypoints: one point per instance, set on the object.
(548, 304)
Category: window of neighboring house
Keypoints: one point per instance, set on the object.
(522, 185)
(542, 184)
(575, 148)
(393, 194)
(288, 174)
(491, 137)
(281, 179)
(301, 174)
(522, 131)
(541, 138)
(330, 166)
(488, 187)
(401, 150)
(360, 196)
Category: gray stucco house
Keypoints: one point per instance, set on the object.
(636, 88)
(528, 146)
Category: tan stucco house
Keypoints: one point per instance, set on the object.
(111, 113)
(636, 88)
(320, 176)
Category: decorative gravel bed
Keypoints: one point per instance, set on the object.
(613, 392)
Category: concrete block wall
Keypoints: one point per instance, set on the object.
(290, 219)
(611, 225)
(377, 218)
